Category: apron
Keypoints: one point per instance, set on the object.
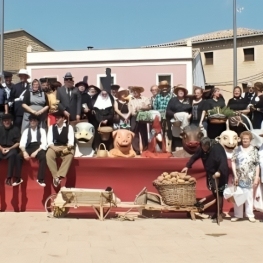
(37, 102)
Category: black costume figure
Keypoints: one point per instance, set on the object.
(214, 160)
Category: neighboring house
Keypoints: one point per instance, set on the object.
(16, 45)
(129, 67)
(217, 55)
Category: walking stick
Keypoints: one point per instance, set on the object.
(216, 175)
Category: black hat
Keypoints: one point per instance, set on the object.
(7, 116)
(33, 117)
(96, 88)
(8, 74)
(68, 76)
(43, 80)
(82, 83)
(115, 87)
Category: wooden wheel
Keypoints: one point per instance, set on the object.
(55, 211)
(49, 205)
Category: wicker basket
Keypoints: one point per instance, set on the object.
(217, 121)
(177, 194)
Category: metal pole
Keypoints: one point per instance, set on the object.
(235, 43)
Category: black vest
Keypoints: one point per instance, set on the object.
(29, 137)
(62, 138)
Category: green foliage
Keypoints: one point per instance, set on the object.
(217, 112)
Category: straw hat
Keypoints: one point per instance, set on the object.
(122, 93)
(137, 88)
(180, 87)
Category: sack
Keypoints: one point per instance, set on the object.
(258, 199)
(235, 194)
(102, 152)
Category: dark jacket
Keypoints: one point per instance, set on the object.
(72, 104)
(9, 137)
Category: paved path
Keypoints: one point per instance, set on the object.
(34, 238)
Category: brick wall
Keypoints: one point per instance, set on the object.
(15, 49)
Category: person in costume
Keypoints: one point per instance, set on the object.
(85, 98)
(60, 141)
(122, 109)
(114, 91)
(214, 160)
(103, 110)
(35, 102)
(216, 100)
(17, 96)
(178, 108)
(139, 103)
(33, 144)
(9, 143)
(245, 167)
(199, 108)
(239, 105)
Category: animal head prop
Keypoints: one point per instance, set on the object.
(157, 142)
(191, 137)
(84, 134)
(122, 144)
(229, 140)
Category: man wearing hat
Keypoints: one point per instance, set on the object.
(69, 99)
(17, 96)
(33, 144)
(60, 140)
(114, 91)
(136, 104)
(9, 143)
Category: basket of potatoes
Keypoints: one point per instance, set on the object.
(176, 189)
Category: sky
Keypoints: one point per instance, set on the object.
(102, 24)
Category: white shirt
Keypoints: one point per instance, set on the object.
(43, 134)
(71, 136)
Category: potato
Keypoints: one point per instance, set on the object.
(167, 177)
(182, 177)
(165, 181)
(187, 177)
(174, 174)
(165, 173)
(173, 180)
(180, 181)
(192, 180)
(160, 178)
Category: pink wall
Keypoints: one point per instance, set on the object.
(144, 76)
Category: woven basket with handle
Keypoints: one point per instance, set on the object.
(102, 151)
(177, 194)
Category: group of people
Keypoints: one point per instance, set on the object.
(35, 123)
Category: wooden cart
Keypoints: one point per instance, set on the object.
(148, 204)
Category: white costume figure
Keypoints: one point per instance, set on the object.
(84, 134)
(229, 140)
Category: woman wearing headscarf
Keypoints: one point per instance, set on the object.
(178, 108)
(216, 100)
(92, 93)
(35, 102)
(85, 99)
(239, 105)
(103, 111)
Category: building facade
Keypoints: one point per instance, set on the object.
(217, 57)
(129, 67)
(16, 45)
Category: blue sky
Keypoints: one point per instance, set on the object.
(76, 24)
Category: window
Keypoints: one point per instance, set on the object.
(248, 54)
(209, 58)
(164, 77)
